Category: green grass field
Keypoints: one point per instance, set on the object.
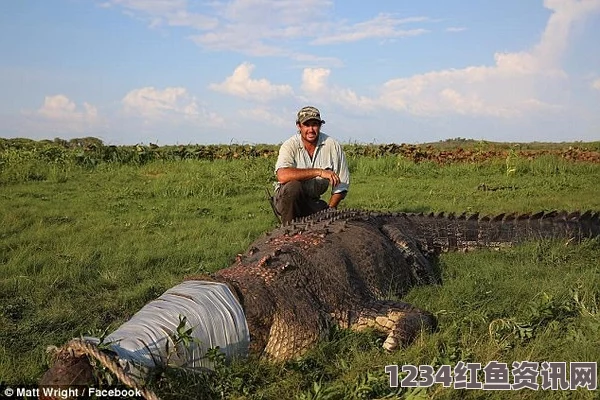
(81, 250)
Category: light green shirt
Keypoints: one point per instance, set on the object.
(328, 154)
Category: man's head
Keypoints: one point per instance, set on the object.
(309, 123)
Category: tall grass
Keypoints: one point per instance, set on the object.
(83, 248)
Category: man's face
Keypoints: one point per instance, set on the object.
(309, 130)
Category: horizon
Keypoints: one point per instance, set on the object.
(184, 71)
(232, 143)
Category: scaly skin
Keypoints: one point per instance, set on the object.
(294, 286)
(341, 267)
(338, 267)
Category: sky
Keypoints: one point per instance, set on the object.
(381, 71)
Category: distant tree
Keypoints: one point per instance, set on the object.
(61, 142)
(86, 142)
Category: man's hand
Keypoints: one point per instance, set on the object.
(331, 176)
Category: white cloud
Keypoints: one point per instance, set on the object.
(58, 115)
(160, 12)
(264, 27)
(149, 6)
(246, 26)
(242, 85)
(510, 87)
(517, 83)
(152, 103)
(315, 85)
(240, 39)
(502, 90)
(258, 42)
(565, 13)
(383, 26)
(456, 29)
(284, 12)
(314, 80)
(596, 84)
(60, 108)
(171, 103)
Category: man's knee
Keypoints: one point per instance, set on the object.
(286, 198)
(288, 193)
(291, 189)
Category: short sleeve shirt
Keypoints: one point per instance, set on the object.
(328, 155)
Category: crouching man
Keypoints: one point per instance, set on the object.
(307, 164)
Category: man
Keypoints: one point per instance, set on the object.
(307, 164)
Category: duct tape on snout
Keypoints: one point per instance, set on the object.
(149, 338)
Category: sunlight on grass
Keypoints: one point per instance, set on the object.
(84, 248)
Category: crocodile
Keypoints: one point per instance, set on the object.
(349, 268)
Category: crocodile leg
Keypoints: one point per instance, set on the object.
(421, 267)
(400, 321)
(290, 338)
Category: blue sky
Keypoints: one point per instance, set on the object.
(209, 71)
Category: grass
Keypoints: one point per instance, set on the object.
(484, 144)
(84, 249)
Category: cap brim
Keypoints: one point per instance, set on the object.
(311, 119)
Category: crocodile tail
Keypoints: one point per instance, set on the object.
(449, 232)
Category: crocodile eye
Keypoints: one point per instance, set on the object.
(287, 266)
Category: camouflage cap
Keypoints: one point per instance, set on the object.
(307, 113)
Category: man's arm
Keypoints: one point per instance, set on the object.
(336, 198)
(284, 175)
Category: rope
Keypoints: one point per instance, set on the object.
(92, 350)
